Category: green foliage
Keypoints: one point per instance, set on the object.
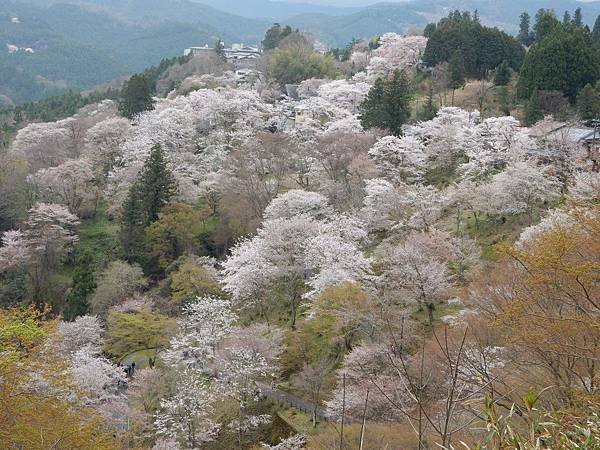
(131, 332)
(298, 62)
(429, 30)
(565, 60)
(502, 76)
(482, 48)
(588, 103)
(84, 284)
(177, 231)
(343, 54)
(525, 35)
(136, 97)
(578, 18)
(388, 104)
(545, 23)
(533, 109)
(429, 109)
(193, 280)
(150, 192)
(456, 70)
(505, 101)
(275, 35)
(20, 331)
(596, 32)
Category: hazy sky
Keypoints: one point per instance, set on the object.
(341, 2)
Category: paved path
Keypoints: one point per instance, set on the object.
(291, 400)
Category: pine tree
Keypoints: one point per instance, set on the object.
(84, 284)
(545, 23)
(566, 18)
(136, 97)
(596, 32)
(456, 72)
(533, 109)
(564, 61)
(429, 110)
(503, 75)
(220, 48)
(504, 100)
(524, 36)
(578, 18)
(151, 191)
(388, 104)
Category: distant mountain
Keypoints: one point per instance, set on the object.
(369, 22)
(275, 10)
(50, 45)
(45, 50)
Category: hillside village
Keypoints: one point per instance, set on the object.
(391, 245)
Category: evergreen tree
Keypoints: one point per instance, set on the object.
(429, 30)
(596, 32)
(588, 103)
(566, 18)
(545, 23)
(388, 104)
(220, 48)
(429, 110)
(504, 100)
(84, 284)
(524, 36)
(503, 75)
(136, 97)
(482, 47)
(565, 61)
(533, 109)
(578, 18)
(275, 35)
(456, 72)
(151, 191)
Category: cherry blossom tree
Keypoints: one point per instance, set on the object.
(277, 257)
(50, 234)
(298, 202)
(444, 135)
(96, 377)
(522, 188)
(415, 269)
(345, 94)
(43, 144)
(395, 52)
(204, 324)
(185, 416)
(399, 159)
(296, 442)
(555, 219)
(493, 144)
(382, 209)
(14, 251)
(367, 370)
(196, 131)
(84, 333)
(71, 184)
(586, 186)
(104, 141)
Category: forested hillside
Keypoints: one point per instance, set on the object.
(76, 48)
(391, 245)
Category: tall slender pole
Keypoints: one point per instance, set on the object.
(364, 420)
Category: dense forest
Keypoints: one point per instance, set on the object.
(393, 244)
